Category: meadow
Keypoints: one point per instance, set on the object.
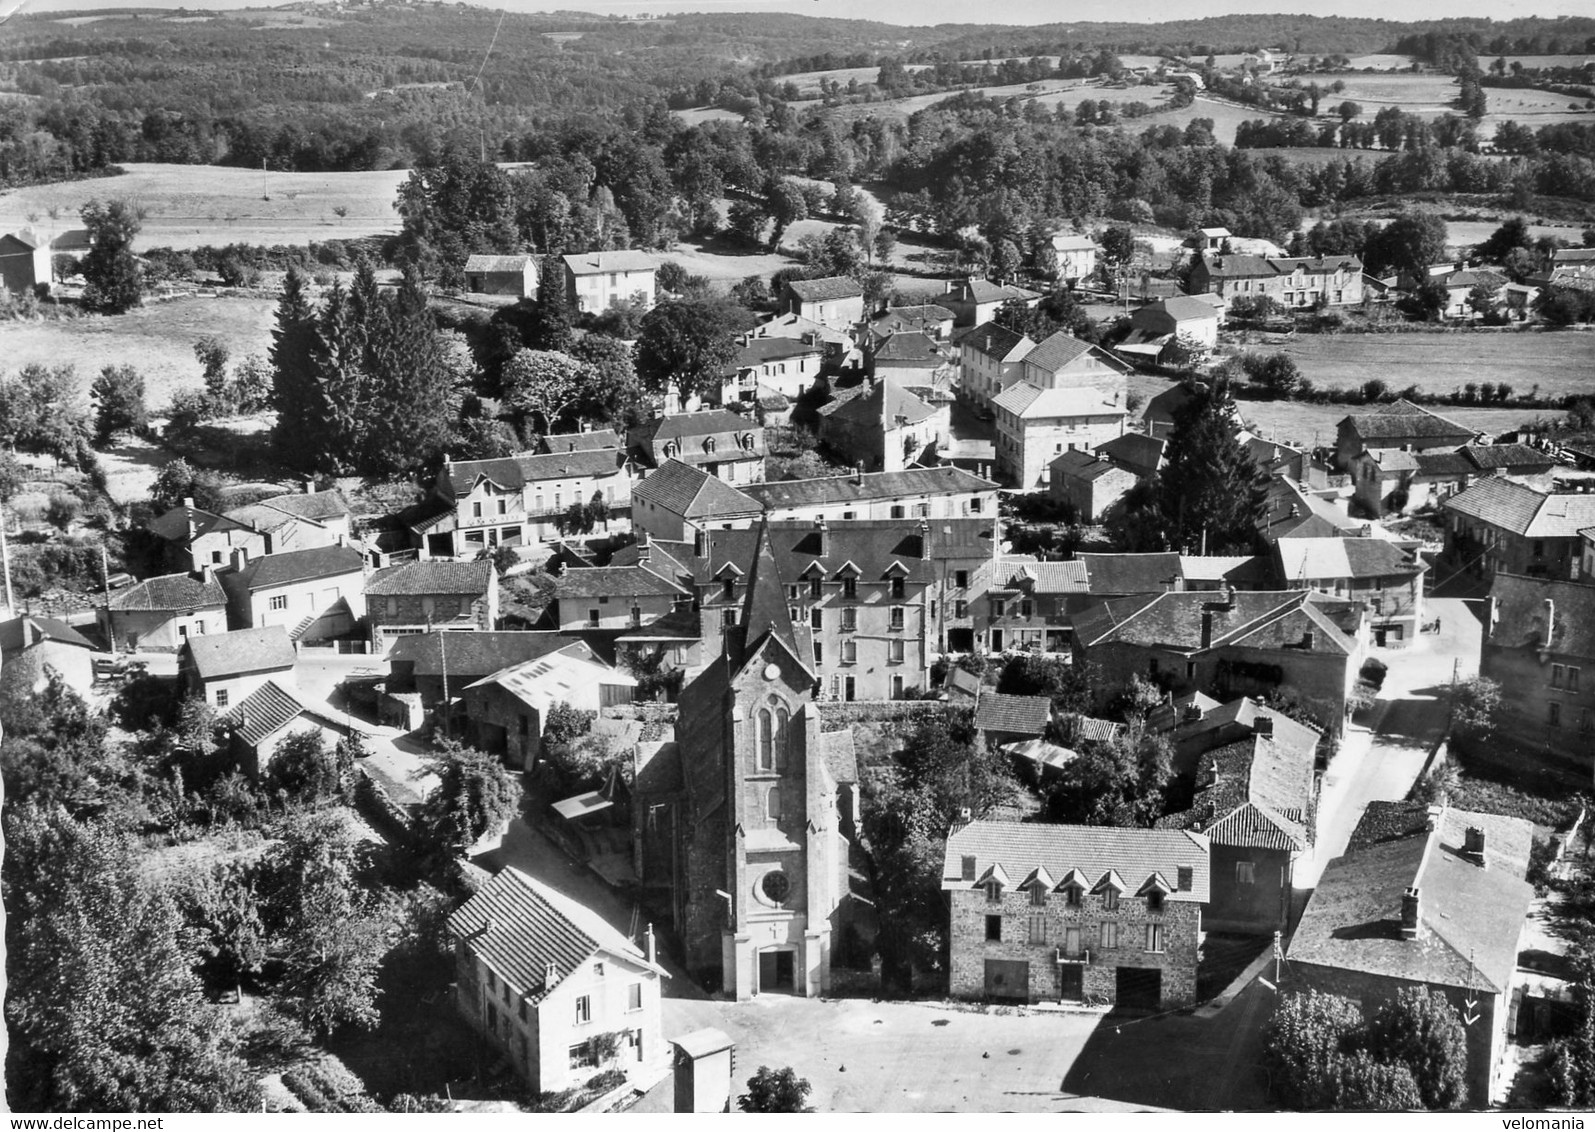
(1431, 95)
(189, 206)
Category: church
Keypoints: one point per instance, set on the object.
(758, 853)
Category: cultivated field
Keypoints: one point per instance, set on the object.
(1559, 362)
(188, 206)
(1431, 95)
(808, 82)
(701, 114)
(156, 339)
(1380, 62)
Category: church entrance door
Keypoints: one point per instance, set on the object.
(777, 972)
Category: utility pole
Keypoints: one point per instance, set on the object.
(105, 580)
(5, 560)
(443, 658)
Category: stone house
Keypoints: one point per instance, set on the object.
(420, 597)
(1183, 315)
(1229, 643)
(930, 319)
(554, 989)
(679, 500)
(224, 668)
(438, 665)
(596, 281)
(1539, 638)
(1135, 452)
(1092, 485)
(1291, 281)
(942, 492)
(1029, 605)
(514, 275)
(1035, 425)
(194, 538)
(1382, 575)
(990, 359)
(908, 358)
(836, 301)
(1001, 718)
(298, 520)
(724, 444)
(1398, 425)
(1502, 526)
(25, 264)
(884, 428)
(314, 594)
(1426, 897)
(974, 301)
(1441, 475)
(788, 366)
(1064, 913)
(159, 614)
(505, 710)
(521, 500)
(614, 597)
(259, 724)
(31, 648)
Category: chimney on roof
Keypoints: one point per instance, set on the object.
(924, 538)
(1263, 725)
(1193, 712)
(1212, 772)
(207, 573)
(188, 501)
(309, 485)
(550, 973)
(652, 948)
(820, 530)
(1207, 628)
(240, 557)
(698, 543)
(858, 474)
(642, 550)
(1473, 845)
(1411, 925)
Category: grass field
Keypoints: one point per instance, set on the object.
(1431, 95)
(156, 339)
(1559, 362)
(187, 206)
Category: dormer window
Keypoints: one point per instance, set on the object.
(850, 588)
(671, 449)
(994, 892)
(1154, 901)
(708, 444)
(1072, 895)
(897, 585)
(1038, 895)
(1110, 900)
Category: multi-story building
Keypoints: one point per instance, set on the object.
(1093, 485)
(990, 359)
(159, 614)
(974, 301)
(1300, 281)
(1400, 425)
(1539, 645)
(314, 594)
(506, 710)
(836, 301)
(614, 597)
(942, 492)
(764, 365)
(1067, 913)
(678, 501)
(1503, 526)
(596, 281)
(223, 668)
(1077, 256)
(728, 446)
(419, 597)
(552, 986)
(194, 538)
(1382, 575)
(1035, 425)
(884, 428)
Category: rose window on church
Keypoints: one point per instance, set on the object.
(777, 886)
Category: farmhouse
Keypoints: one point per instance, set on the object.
(1299, 281)
(418, 597)
(1172, 319)
(1066, 913)
(836, 302)
(224, 668)
(974, 300)
(25, 262)
(314, 594)
(614, 597)
(514, 275)
(1088, 482)
(159, 614)
(596, 281)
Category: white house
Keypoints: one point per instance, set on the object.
(224, 668)
(596, 281)
(990, 359)
(314, 593)
(1077, 255)
(1035, 425)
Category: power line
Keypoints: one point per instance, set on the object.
(477, 81)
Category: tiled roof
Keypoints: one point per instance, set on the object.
(307, 565)
(173, 526)
(1132, 573)
(28, 237)
(598, 440)
(729, 432)
(513, 472)
(1254, 619)
(1184, 308)
(1403, 420)
(978, 290)
(1060, 578)
(826, 290)
(218, 655)
(615, 581)
(681, 624)
(1072, 242)
(1393, 459)
(1079, 464)
(1018, 715)
(169, 592)
(1504, 457)
(475, 654)
(912, 317)
(267, 710)
(526, 930)
(756, 351)
(686, 491)
(1056, 351)
(997, 342)
(261, 517)
(1521, 608)
(1136, 855)
(1471, 916)
(886, 403)
(553, 677)
(1445, 464)
(317, 505)
(432, 577)
(1026, 401)
(1166, 404)
(1471, 279)
(1311, 559)
(942, 480)
(908, 348)
(1523, 510)
(1134, 450)
(499, 262)
(1245, 571)
(21, 632)
(600, 263)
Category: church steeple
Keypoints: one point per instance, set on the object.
(764, 609)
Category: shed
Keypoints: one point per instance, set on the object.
(502, 275)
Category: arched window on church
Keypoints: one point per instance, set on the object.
(772, 803)
(782, 718)
(766, 739)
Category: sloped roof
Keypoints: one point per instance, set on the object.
(1402, 420)
(885, 404)
(944, 479)
(1522, 606)
(1493, 457)
(615, 581)
(21, 632)
(1073, 242)
(475, 654)
(28, 238)
(1471, 917)
(691, 493)
(1315, 558)
(600, 263)
(597, 440)
(1262, 796)
(219, 655)
(692, 430)
(1134, 854)
(912, 317)
(523, 928)
(1056, 351)
(908, 348)
(1027, 402)
(1018, 715)
(996, 341)
(173, 526)
(470, 579)
(554, 676)
(1135, 449)
(836, 748)
(1254, 619)
(307, 565)
(765, 613)
(828, 289)
(758, 350)
(169, 592)
(1445, 464)
(513, 472)
(1523, 510)
(1166, 404)
(500, 262)
(268, 709)
(1082, 465)
(1185, 308)
(1059, 578)
(1132, 573)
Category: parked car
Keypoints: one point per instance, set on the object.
(1373, 672)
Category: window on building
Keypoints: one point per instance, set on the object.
(993, 892)
(898, 587)
(898, 687)
(897, 618)
(634, 997)
(1539, 548)
(521, 1012)
(850, 588)
(960, 608)
(1243, 872)
(894, 652)
(1026, 609)
(492, 981)
(584, 1009)
(1154, 901)
(814, 587)
(592, 618)
(1558, 674)
(1154, 938)
(819, 652)
(1110, 935)
(1038, 895)
(221, 697)
(503, 507)
(961, 579)
(1110, 900)
(974, 506)
(899, 511)
(1038, 927)
(772, 804)
(922, 510)
(728, 617)
(1072, 895)
(583, 1056)
(999, 607)
(476, 510)
(1183, 877)
(1572, 678)
(1071, 941)
(791, 593)
(994, 929)
(849, 619)
(1555, 718)
(728, 589)
(278, 601)
(817, 617)
(764, 722)
(850, 652)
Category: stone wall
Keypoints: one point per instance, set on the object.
(837, 715)
(970, 949)
(1526, 684)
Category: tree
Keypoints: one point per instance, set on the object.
(546, 384)
(1481, 300)
(41, 411)
(1421, 1030)
(786, 205)
(115, 283)
(212, 354)
(1409, 243)
(118, 395)
(1348, 110)
(1478, 709)
(1068, 686)
(54, 751)
(103, 1009)
(324, 927)
(686, 345)
(1275, 373)
(179, 480)
(1303, 1044)
(306, 770)
(1211, 493)
(613, 394)
(1118, 248)
(1512, 235)
(1363, 1084)
(776, 1090)
(473, 796)
(885, 244)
